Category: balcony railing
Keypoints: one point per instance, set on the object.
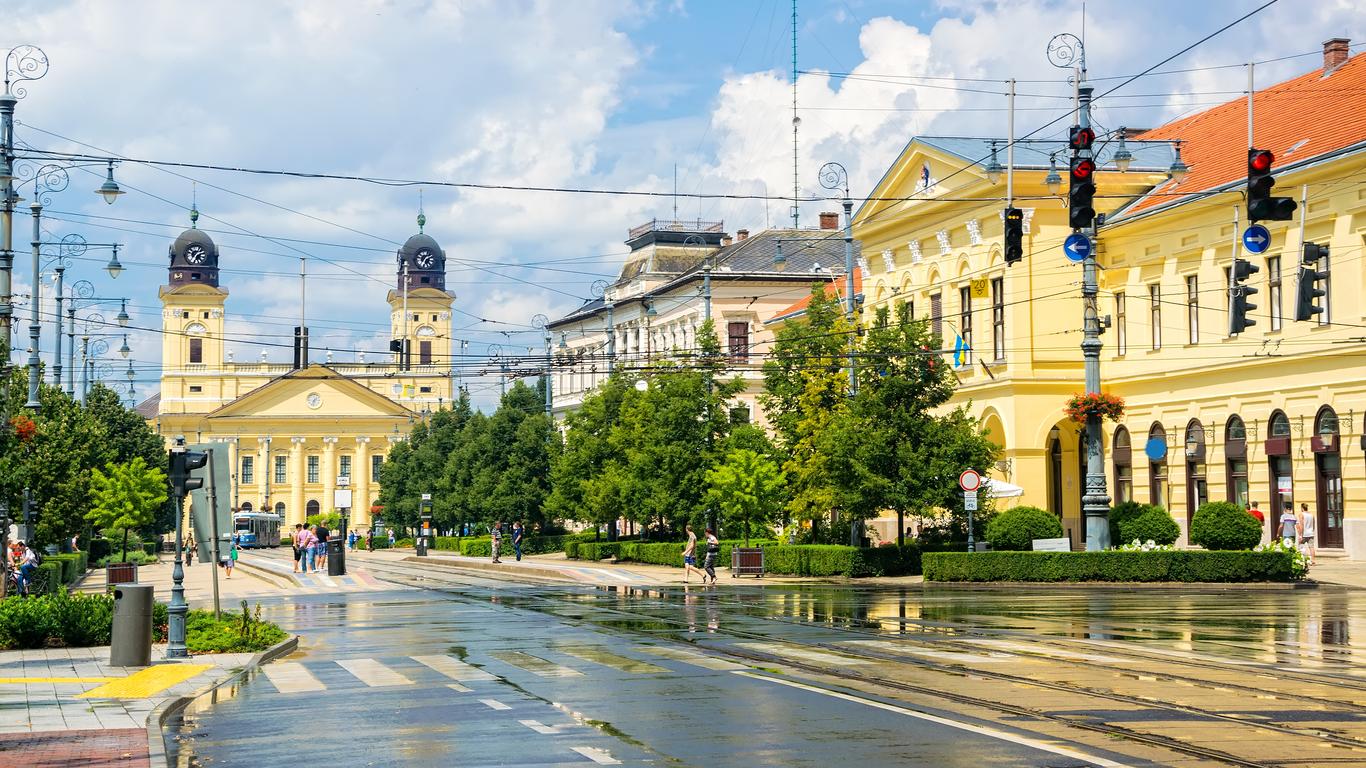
(676, 225)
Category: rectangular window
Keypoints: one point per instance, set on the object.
(1273, 290)
(1192, 310)
(281, 468)
(998, 318)
(937, 317)
(344, 469)
(1155, 297)
(1157, 483)
(1121, 325)
(1124, 483)
(195, 388)
(248, 469)
(738, 335)
(196, 350)
(312, 469)
(424, 353)
(965, 322)
(375, 463)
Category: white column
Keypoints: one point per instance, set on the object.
(329, 470)
(360, 483)
(294, 512)
(262, 485)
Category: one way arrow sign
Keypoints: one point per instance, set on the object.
(1256, 239)
(1077, 247)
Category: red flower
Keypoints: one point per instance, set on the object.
(1104, 405)
(24, 428)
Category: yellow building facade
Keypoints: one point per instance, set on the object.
(295, 432)
(1270, 415)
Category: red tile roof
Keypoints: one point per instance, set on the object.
(833, 288)
(1298, 119)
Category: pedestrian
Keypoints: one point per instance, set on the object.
(1257, 513)
(298, 548)
(517, 539)
(323, 536)
(1289, 526)
(189, 551)
(690, 557)
(391, 538)
(310, 551)
(230, 559)
(497, 534)
(28, 565)
(1308, 528)
(75, 548)
(713, 550)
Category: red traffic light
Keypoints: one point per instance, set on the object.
(1083, 168)
(1260, 160)
(1081, 138)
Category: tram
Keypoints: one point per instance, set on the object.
(256, 529)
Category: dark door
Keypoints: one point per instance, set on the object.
(1328, 468)
(1282, 497)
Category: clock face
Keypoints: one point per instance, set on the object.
(196, 254)
(425, 258)
(315, 400)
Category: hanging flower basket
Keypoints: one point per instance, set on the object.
(23, 427)
(1104, 405)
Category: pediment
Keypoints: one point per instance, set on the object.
(916, 176)
(316, 392)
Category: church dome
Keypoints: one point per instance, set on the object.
(193, 256)
(421, 262)
(419, 242)
(193, 237)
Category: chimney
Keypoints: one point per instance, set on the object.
(742, 234)
(830, 220)
(1335, 54)
(300, 347)
(725, 240)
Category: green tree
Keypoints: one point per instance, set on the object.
(587, 452)
(748, 488)
(129, 436)
(125, 496)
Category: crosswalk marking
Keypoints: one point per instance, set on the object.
(791, 651)
(373, 673)
(535, 664)
(540, 727)
(292, 677)
(692, 657)
(599, 756)
(953, 656)
(457, 687)
(494, 704)
(453, 668)
(609, 659)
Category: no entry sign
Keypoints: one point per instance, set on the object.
(969, 480)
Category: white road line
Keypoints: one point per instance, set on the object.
(457, 687)
(494, 704)
(373, 673)
(535, 664)
(781, 649)
(952, 656)
(292, 677)
(540, 727)
(981, 730)
(599, 756)
(453, 668)
(691, 657)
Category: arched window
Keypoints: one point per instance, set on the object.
(1327, 478)
(1124, 466)
(311, 508)
(246, 506)
(1235, 461)
(1156, 449)
(1197, 489)
(1280, 466)
(280, 509)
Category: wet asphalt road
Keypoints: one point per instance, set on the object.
(480, 673)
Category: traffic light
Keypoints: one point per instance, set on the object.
(1261, 206)
(1081, 193)
(1239, 306)
(1014, 235)
(1080, 139)
(182, 463)
(1311, 281)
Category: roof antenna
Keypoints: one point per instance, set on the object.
(421, 217)
(194, 205)
(675, 191)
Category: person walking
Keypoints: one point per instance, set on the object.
(713, 550)
(497, 534)
(1289, 525)
(298, 545)
(690, 557)
(189, 551)
(1308, 529)
(323, 536)
(391, 538)
(310, 551)
(231, 559)
(517, 539)
(1257, 513)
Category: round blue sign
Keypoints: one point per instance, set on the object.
(1256, 239)
(1156, 448)
(1077, 246)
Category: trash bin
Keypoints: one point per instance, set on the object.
(130, 641)
(336, 556)
(421, 545)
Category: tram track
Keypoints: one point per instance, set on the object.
(554, 605)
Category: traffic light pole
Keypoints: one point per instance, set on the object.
(175, 612)
(1095, 501)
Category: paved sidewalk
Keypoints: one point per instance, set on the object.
(1341, 573)
(198, 583)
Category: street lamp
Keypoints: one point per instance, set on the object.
(1123, 157)
(1178, 169)
(123, 317)
(22, 63)
(1053, 179)
(114, 268)
(994, 168)
(109, 190)
(124, 350)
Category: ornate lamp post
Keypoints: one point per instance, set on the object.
(22, 63)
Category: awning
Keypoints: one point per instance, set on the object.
(1000, 489)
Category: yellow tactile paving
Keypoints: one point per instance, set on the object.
(146, 682)
(59, 680)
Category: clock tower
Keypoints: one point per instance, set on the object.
(421, 314)
(192, 305)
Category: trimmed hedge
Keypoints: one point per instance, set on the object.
(1110, 565)
(100, 548)
(73, 565)
(1017, 527)
(838, 560)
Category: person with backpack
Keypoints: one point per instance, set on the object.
(713, 551)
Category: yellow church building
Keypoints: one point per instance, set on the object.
(294, 433)
(1272, 414)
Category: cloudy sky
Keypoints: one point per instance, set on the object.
(597, 94)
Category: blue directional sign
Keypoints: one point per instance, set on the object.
(1256, 239)
(1077, 246)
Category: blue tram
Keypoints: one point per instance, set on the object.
(256, 529)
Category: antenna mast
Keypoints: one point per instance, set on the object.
(796, 123)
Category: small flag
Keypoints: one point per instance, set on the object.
(960, 351)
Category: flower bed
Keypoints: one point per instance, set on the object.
(1113, 565)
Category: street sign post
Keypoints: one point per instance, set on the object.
(970, 501)
(970, 480)
(1077, 247)
(1256, 239)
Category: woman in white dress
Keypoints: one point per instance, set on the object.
(1307, 532)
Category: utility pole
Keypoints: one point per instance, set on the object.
(1095, 501)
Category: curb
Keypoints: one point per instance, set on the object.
(156, 721)
(1120, 586)
(266, 575)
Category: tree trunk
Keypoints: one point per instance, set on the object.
(900, 528)
(125, 545)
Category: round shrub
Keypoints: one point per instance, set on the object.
(1152, 524)
(1119, 513)
(1222, 525)
(1016, 528)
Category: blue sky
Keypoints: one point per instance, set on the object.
(606, 94)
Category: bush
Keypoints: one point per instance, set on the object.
(1153, 524)
(447, 543)
(1120, 513)
(404, 543)
(48, 578)
(82, 620)
(571, 549)
(69, 563)
(243, 632)
(1110, 565)
(1223, 525)
(1017, 527)
(838, 560)
(99, 548)
(26, 622)
(151, 547)
(134, 556)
